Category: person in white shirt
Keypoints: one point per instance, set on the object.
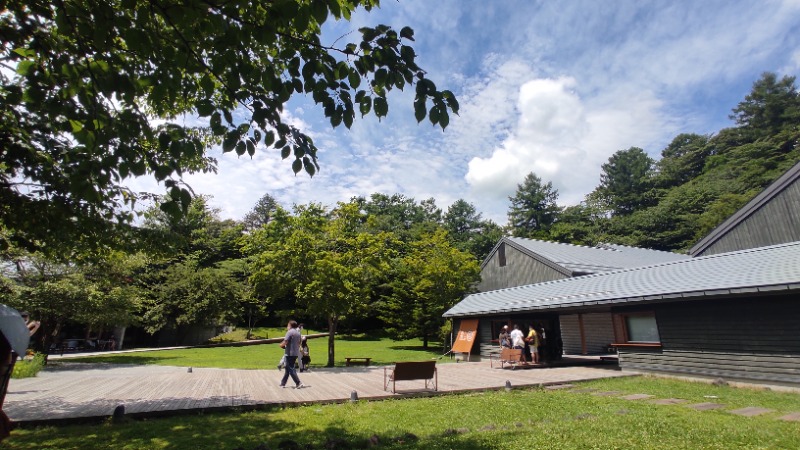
(517, 338)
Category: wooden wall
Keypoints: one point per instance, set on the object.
(598, 332)
(777, 222)
(742, 339)
(520, 269)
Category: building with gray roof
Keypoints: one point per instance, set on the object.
(733, 313)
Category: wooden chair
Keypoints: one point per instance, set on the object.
(511, 356)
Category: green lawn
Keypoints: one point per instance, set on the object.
(520, 419)
(383, 351)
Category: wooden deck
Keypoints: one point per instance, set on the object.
(73, 391)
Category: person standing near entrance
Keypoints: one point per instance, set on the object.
(504, 339)
(517, 340)
(291, 345)
(533, 343)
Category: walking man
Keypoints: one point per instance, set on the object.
(291, 345)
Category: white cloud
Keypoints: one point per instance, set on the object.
(563, 139)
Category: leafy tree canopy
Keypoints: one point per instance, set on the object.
(84, 80)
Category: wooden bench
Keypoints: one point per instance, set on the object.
(511, 356)
(350, 360)
(411, 370)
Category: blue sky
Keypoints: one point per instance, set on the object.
(553, 88)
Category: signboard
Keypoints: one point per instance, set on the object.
(467, 331)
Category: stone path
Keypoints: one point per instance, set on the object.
(750, 411)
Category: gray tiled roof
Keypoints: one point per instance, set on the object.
(604, 258)
(747, 271)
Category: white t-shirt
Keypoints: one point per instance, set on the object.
(517, 338)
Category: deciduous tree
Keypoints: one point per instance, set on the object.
(94, 93)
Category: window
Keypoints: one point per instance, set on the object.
(501, 255)
(642, 328)
(638, 329)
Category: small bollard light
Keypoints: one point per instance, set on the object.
(190, 370)
(354, 396)
(119, 413)
(508, 385)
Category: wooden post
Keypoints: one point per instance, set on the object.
(584, 351)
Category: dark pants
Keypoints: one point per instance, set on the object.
(289, 371)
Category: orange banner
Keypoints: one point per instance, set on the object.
(467, 330)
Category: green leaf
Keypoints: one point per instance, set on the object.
(354, 79)
(172, 209)
(241, 148)
(230, 141)
(186, 198)
(163, 141)
(444, 119)
(381, 107)
(285, 152)
(297, 166)
(309, 166)
(204, 108)
(433, 115)
(451, 101)
(365, 106)
(420, 110)
(407, 33)
(25, 67)
(319, 11)
(251, 147)
(207, 84)
(269, 138)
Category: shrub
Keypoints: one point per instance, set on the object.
(27, 368)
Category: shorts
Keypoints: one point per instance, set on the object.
(534, 349)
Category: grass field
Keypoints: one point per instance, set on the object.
(381, 350)
(520, 419)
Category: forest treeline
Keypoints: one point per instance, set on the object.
(388, 262)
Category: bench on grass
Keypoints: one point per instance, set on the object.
(411, 370)
(350, 360)
(511, 356)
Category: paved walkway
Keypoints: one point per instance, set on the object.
(75, 391)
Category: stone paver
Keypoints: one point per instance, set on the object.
(751, 411)
(607, 393)
(637, 396)
(668, 401)
(706, 406)
(791, 417)
(556, 387)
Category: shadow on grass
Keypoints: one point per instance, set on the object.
(77, 363)
(358, 338)
(337, 437)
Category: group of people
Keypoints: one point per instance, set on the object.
(295, 349)
(532, 344)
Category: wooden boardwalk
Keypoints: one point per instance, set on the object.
(73, 391)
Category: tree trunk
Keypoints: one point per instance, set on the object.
(332, 323)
